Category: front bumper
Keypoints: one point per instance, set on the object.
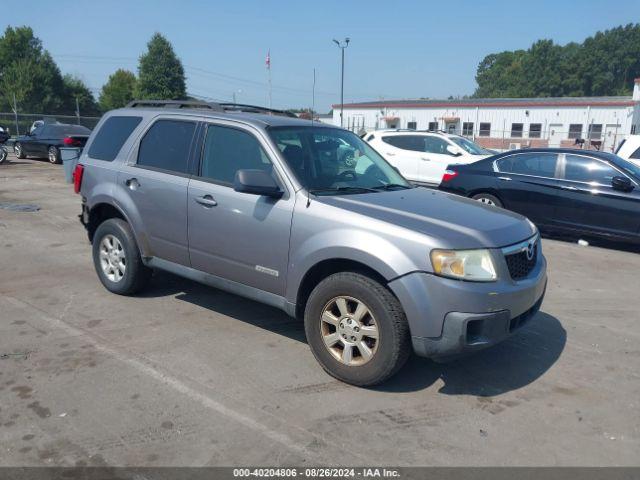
(448, 317)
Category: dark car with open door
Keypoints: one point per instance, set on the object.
(46, 139)
(563, 190)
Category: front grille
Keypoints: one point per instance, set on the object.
(519, 265)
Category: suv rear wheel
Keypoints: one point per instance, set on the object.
(356, 329)
(488, 199)
(117, 260)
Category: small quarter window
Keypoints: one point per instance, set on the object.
(111, 137)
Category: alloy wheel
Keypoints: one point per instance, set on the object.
(53, 155)
(349, 331)
(486, 201)
(112, 258)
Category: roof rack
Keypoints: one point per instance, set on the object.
(174, 104)
(240, 107)
(218, 107)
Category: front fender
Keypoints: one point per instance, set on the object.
(363, 247)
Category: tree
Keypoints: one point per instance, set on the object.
(118, 91)
(604, 64)
(160, 72)
(29, 74)
(75, 89)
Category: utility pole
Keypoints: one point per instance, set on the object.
(342, 47)
(15, 113)
(77, 110)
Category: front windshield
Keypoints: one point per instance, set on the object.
(469, 146)
(327, 161)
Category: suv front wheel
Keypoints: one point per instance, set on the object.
(117, 260)
(356, 329)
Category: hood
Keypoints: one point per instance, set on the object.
(452, 221)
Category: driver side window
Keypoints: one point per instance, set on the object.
(435, 145)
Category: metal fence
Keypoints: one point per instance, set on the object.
(21, 123)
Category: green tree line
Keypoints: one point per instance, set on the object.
(604, 64)
(31, 81)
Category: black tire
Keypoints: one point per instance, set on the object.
(394, 343)
(3, 154)
(53, 155)
(136, 275)
(488, 199)
(19, 151)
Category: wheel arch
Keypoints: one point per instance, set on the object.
(324, 268)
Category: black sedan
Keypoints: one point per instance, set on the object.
(564, 190)
(45, 140)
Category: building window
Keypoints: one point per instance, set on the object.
(535, 130)
(575, 130)
(467, 129)
(516, 130)
(433, 126)
(595, 131)
(485, 130)
(412, 125)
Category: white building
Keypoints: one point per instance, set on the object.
(507, 123)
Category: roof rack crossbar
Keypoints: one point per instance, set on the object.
(174, 104)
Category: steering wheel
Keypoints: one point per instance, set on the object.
(348, 173)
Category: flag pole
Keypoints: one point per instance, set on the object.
(268, 62)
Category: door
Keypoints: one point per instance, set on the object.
(555, 135)
(589, 203)
(528, 184)
(434, 159)
(31, 143)
(610, 138)
(404, 153)
(238, 236)
(156, 180)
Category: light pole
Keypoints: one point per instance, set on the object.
(342, 47)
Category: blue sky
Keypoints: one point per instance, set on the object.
(399, 49)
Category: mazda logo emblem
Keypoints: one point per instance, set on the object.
(531, 250)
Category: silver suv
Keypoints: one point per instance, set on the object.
(308, 218)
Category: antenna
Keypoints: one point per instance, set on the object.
(313, 96)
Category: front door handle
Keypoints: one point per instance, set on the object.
(132, 183)
(206, 200)
(567, 187)
(391, 154)
(426, 159)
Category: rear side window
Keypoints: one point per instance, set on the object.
(412, 143)
(636, 154)
(111, 136)
(166, 146)
(227, 150)
(535, 164)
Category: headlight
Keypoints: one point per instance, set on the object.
(474, 265)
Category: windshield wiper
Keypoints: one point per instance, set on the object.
(343, 189)
(389, 186)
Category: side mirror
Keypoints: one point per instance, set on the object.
(256, 182)
(621, 183)
(455, 151)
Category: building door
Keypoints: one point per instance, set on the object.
(555, 135)
(610, 140)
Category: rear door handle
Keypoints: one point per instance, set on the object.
(566, 187)
(390, 154)
(425, 159)
(505, 179)
(206, 200)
